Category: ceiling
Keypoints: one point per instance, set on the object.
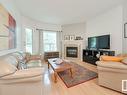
(64, 11)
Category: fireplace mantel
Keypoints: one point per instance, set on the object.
(74, 43)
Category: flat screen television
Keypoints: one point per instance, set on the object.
(99, 42)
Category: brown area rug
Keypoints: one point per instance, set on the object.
(80, 75)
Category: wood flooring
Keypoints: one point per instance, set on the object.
(87, 88)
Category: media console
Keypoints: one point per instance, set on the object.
(91, 56)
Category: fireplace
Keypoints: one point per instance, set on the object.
(72, 52)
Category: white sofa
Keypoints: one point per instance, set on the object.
(10, 72)
(14, 79)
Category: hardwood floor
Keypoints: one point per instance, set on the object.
(87, 88)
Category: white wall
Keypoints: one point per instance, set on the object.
(109, 22)
(33, 24)
(124, 21)
(10, 6)
(28, 22)
(77, 29)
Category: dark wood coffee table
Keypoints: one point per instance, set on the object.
(59, 67)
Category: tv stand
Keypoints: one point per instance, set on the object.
(91, 56)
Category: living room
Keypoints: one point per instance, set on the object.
(38, 38)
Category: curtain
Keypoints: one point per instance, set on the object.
(59, 42)
(41, 48)
(36, 42)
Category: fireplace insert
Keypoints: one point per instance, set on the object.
(72, 52)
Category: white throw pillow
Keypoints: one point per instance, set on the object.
(6, 68)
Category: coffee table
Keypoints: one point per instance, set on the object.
(59, 67)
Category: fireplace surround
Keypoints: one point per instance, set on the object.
(72, 50)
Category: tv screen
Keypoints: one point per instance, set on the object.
(92, 42)
(104, 42)
(99, 42)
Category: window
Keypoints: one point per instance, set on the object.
(50, 43)
(29, 40)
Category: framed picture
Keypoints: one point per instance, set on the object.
(78, 38)
(72, 37)
(7, 30)
(125, 30)
(66, 37)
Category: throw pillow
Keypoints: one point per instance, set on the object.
(27, 56)
(111, 58)
(22, 65)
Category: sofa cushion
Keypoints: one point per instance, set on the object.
(11, 60)
(26, 73)
(6, 69)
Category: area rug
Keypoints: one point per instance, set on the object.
(80, 75)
